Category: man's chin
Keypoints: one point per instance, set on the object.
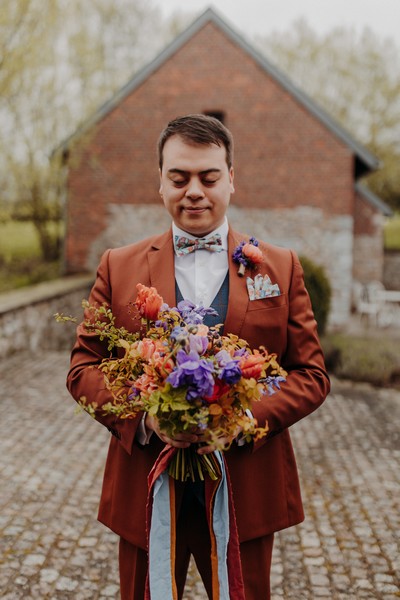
(194, 227)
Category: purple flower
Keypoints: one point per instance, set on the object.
(237, 254)
(180, 335)
(198, 343)
(193, 314)
(273, 383)
(230, 370)
(241, 352)
(194, 373)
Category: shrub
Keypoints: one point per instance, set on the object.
(392, 233)
(320, 291)
(369, 359)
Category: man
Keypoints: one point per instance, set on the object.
(196, 182)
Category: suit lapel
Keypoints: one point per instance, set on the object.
(238, 296)
(161, 267)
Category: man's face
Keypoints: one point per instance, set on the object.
(196, 185)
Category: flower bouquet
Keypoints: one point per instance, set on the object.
(187, 375)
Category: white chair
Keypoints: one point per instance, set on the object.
(368, 302)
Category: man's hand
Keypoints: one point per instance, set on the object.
(181, 440)
(184, 440)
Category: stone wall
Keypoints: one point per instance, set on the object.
(368, 242)
(391, 270)
(27, 315)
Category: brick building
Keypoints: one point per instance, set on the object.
(296, 170)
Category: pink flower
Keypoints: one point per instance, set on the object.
(146, 347)
(253, 253)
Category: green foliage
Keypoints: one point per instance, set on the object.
(30, 65)
(363, 358)
(18, 241)
(101, 322)
(319, 288)
(385, 182)
(23, 272)
(392, 233)
(356, 79)
(21, 263)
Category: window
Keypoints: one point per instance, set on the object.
(217, 114)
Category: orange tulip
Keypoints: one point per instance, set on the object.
(148, 302)
(252, 365)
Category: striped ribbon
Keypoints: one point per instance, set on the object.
(227, 581)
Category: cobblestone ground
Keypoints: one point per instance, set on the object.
(51, 464)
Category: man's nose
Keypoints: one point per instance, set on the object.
(194, 189)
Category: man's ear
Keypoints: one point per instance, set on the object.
(231, 178)
(161, 187)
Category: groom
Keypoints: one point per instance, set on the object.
(196, 183)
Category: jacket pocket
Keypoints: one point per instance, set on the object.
(267, 303)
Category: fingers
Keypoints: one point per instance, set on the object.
(181, 440)
(184, 440)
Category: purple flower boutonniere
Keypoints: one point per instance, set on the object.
(247, 255)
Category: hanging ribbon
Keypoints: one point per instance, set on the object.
(227, 580)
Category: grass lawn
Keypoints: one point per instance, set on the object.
(392, 233)
(18, 240)
(20, 257)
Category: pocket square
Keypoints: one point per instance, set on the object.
(262, 287)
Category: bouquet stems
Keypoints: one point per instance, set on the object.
(187, 464)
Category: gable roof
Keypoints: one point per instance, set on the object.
(373, 199)
(365, 160)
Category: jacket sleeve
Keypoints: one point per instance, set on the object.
(307, 383)
(84, 379)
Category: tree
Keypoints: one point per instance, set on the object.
(27, 92)
(356, 79)
(59, 59)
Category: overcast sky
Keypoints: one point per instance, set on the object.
(263, 16)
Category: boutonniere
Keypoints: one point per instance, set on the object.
(247, 255)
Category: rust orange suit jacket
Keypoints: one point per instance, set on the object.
(263, 475)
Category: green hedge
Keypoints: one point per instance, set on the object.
(320, 291)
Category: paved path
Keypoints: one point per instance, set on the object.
(51, 463)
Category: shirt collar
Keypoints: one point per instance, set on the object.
(222, 230)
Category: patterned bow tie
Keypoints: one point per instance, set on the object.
(184, 245)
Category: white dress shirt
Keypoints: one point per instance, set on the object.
(201, 273)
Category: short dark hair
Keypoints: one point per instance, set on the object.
(197, 129)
